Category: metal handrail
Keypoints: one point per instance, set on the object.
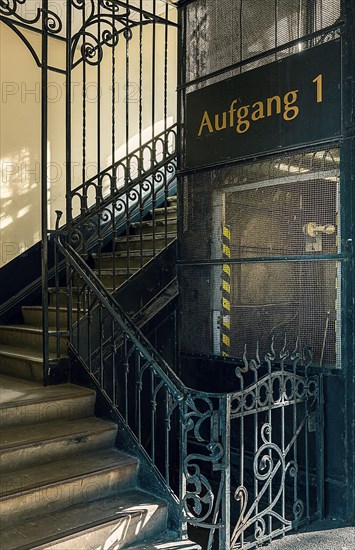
(112, 306)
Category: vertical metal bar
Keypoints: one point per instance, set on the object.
(241, 444)
(294, 429)
(165, 146)
(139, 396)
(44, 191)
(126, 370)
(57, 301)
(153, 414)
(276, 27)
(113, 361)
(306, 454)
(99, 189)
(283, 404)
(182, 474)
(256, 438)
(167, 431)
(68, 105)
(153, 150)
(226, 443)
(101, 347)
(241, 27)
(89, 337)
(84, 203)
(320, 448)
(68, 152)
(140, 105)
(127, 95)
(113, 139)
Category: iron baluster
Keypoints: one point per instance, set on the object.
(153, 407)
(44, 187)
(295, 359)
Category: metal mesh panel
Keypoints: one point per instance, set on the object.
(268, 299)
(280, 207)
(286, 205)
(221, 33)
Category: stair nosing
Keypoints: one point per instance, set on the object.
(86, 527)
(104, 426)
(41, 486)
(79, 392)
(24, 353)
(145, 237)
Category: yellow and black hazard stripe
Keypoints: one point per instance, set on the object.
(226, 294)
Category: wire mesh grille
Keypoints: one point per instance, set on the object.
(285, 206)
(268, 299)
(222, 33)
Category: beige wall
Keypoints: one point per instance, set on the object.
(19, 146)
(21, 123)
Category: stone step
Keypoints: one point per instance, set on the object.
(170, 212)
(30, 336)
(48, 488)
(62, 296)
(32, 315)
(121, 259)
(23, 402)
(172, 200)
(168, 542)
(116, 522)
(25, 446)
(23, 362)
(146, 227)
(144, 242)
(114, 281)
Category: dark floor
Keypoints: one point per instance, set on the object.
(320, 535)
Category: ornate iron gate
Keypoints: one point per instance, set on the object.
(264, 444)
(283, 411)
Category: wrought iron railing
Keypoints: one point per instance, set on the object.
(121, 229)
(135, 203)
(242, 465)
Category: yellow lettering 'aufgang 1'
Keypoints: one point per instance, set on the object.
(242, 117)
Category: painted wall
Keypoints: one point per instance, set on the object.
(21, 124)
(20, 128)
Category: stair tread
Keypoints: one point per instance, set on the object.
(166, 209)
(77, 518)
(150, 223)
(39, 308)
(168, 542)
(22, 352)
(123, 254)
(118, 271)
(32, 434)
(16, 391)
(26, 328)
(146, 237)
(37, 477)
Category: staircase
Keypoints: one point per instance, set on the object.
(21, 344)
(64, 485)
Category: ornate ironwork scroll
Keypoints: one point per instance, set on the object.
(272, 416)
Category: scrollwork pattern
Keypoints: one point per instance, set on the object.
(269, 466)
(279, 385)
(16, 9)
(200, 503)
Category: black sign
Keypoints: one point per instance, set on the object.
(292, 101)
